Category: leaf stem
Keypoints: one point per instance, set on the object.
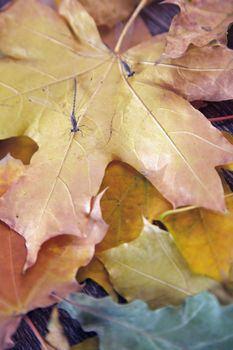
(128, 24)
(217, 119)
(175, 211)
(37, 334)
(183, 209)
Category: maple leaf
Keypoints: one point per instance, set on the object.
(151, 268)
(199, 22)
(55, 269)
(136, 118)
(204, 238)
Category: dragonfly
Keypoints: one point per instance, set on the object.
(127, 68)
(50, 103)
(75, 127)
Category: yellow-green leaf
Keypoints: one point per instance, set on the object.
(151, 268)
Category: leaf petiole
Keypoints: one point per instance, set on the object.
(128, 25)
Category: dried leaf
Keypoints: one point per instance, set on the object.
(136, 119)
(55, 335)
(88, 344)
(151, 268)
(197, 75)
(54, 271)
(199, 22)
(21, 148)
(96, 271)
(129, 196)
(205, 239)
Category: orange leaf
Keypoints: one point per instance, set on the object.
(58, 261)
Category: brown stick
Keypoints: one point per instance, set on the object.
(218, 119)
(42, 341)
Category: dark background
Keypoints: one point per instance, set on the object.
(157, 18)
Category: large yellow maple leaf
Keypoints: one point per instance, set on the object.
(128, 108)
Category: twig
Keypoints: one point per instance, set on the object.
(218, 119)
(42, 341)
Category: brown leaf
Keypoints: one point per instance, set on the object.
(199, 22)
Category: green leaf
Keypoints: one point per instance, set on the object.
(200, 324)
(152, 269)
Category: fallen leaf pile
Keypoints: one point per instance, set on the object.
(100, 145)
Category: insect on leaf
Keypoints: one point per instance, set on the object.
(142, 119)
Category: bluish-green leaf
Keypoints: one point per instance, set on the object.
(200, 324)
